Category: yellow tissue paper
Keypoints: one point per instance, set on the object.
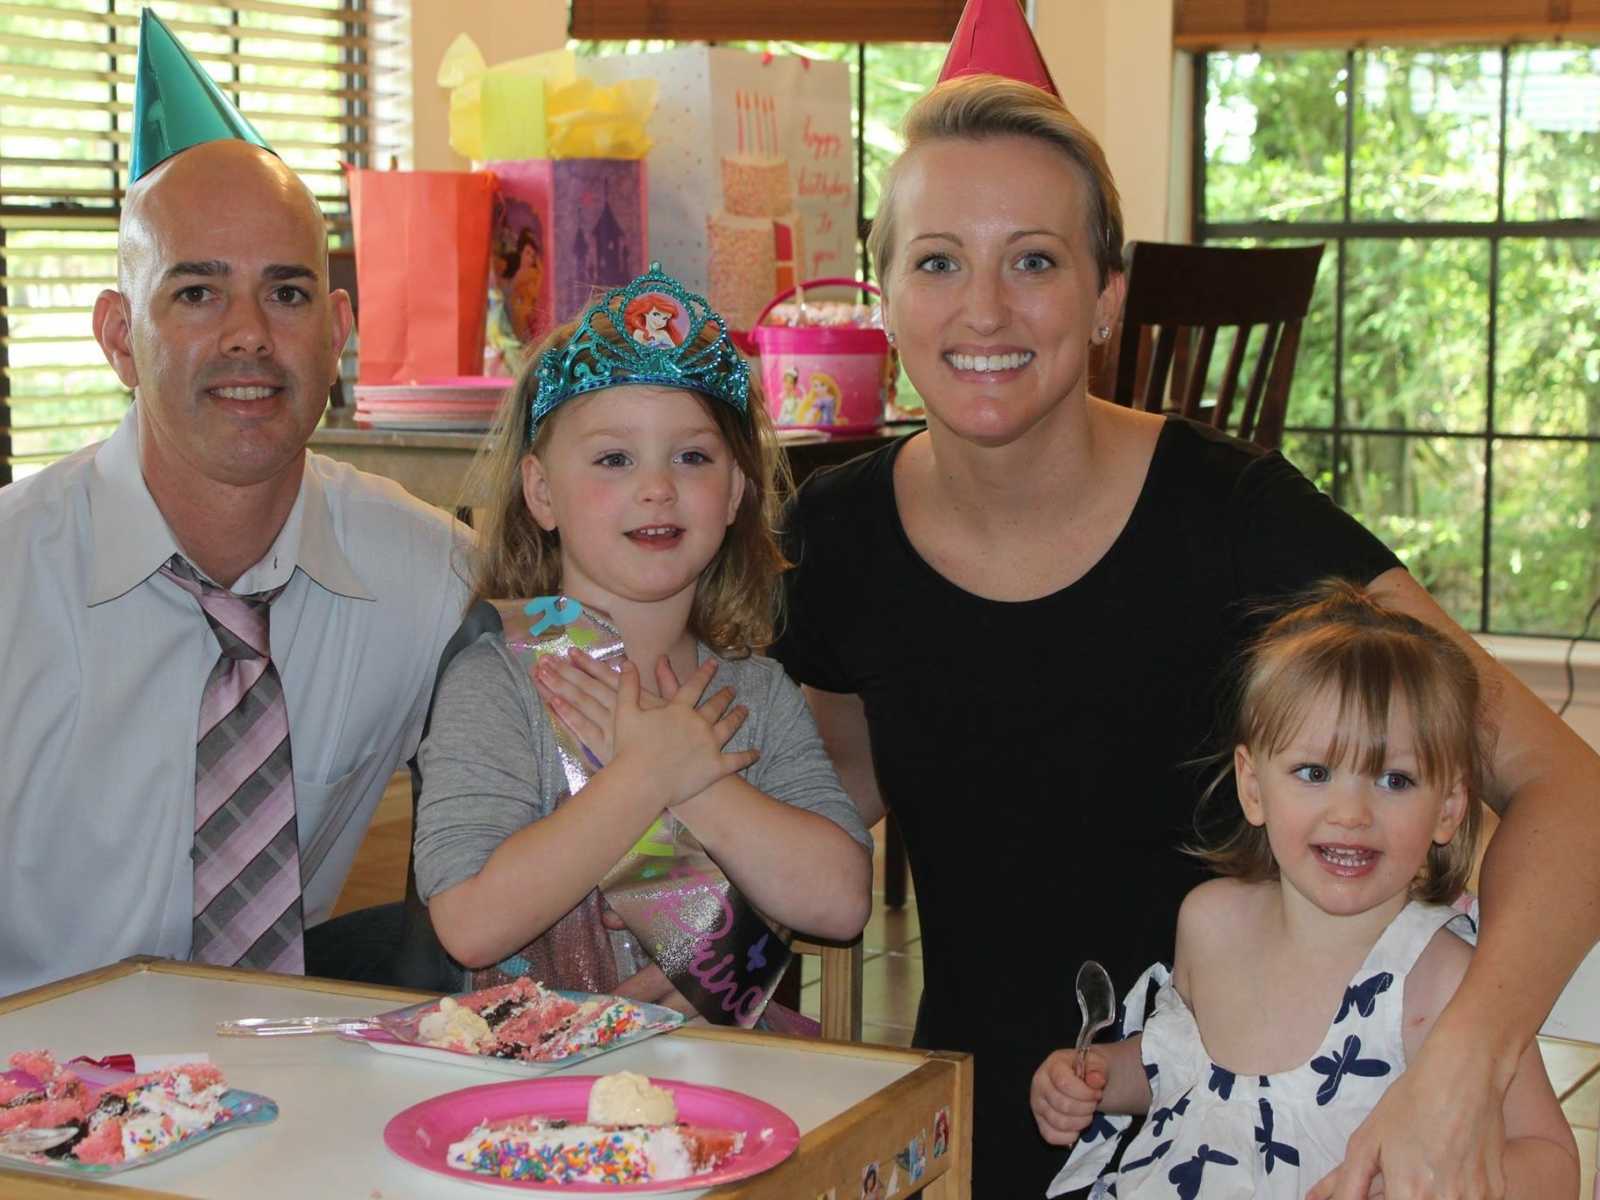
(537, 107)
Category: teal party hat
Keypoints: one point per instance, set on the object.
(175, 103)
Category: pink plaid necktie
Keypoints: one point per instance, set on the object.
(247, 904)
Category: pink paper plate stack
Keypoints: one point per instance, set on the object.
(465, 404)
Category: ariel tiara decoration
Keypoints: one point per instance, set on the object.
(656, 328)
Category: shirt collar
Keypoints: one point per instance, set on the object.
(132, 539)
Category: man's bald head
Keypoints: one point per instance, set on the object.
(223, 323)
(193, 189)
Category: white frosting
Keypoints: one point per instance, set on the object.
(629, 1099)
(145, 1134)
(454, 1027)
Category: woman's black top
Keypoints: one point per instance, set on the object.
(1038, 755)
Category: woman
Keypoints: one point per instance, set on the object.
(1022, 619)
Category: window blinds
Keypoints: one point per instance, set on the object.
(304, 72)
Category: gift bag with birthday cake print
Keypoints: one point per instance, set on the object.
(752, 171)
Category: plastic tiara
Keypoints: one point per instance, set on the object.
(656, 338)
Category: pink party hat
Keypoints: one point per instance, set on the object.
(993, 38)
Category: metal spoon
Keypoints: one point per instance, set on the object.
(1097, 1003)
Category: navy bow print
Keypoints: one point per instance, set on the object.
(1363, 997)
(1098, 1128)
(1342, 1063)
(1221, 1081)
(1186, 1175)
(1273, 1152)
(1149, 1158)
(1151, 1070)
(1161, 1116)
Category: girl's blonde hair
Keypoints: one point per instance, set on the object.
(735, 602)
(978, 107)
(1338, 639)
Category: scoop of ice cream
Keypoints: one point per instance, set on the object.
(628, 1099)
(453, 1026)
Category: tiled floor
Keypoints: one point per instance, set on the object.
(892, 976)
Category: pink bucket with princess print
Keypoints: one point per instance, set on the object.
(825, 364)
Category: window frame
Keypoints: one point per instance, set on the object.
(1341, 232)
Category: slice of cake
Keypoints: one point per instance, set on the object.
(524, 1019)
(123, 1121)
(556, 1151)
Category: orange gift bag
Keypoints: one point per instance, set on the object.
(422, 263)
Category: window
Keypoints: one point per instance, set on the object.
(1448, 388)
(303, 72)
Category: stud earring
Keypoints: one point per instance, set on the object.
(890, 335)
(1103, 333)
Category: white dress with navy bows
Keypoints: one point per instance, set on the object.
(1220, 1136)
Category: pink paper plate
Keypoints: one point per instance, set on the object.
(422, 1134)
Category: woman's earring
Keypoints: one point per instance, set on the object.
(890, 335)
(1103, 334)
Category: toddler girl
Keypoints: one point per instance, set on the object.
(638, 481)
(1306, 975)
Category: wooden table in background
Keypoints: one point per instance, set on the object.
(433, 466)
(854, 1104)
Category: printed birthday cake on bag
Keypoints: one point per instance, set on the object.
(754, 238)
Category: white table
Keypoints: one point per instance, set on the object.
(854, 1104)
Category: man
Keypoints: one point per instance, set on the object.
(172, 778)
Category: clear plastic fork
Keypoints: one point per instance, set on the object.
(283, 1026)
(18, 1142)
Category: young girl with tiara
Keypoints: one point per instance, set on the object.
(1306, 976)
(633, 497)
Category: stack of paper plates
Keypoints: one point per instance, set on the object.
(465, 404)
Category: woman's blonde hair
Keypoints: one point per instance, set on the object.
(1338, 639)
(977, 107)
(735, 601)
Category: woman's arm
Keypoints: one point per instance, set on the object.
(842, 722)
(1541, 907)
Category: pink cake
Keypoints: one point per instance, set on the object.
(126, 1120)
(524, 1019)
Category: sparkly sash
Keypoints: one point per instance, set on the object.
(681, 910)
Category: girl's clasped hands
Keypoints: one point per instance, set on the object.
(677, 733)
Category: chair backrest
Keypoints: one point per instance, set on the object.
(342, 274)
(1179, 297)
(421, 962)
(841, 987)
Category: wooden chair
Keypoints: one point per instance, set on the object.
(841, 987)
(1158, 357)
(342, 274)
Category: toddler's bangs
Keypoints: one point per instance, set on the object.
(1366, 674)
